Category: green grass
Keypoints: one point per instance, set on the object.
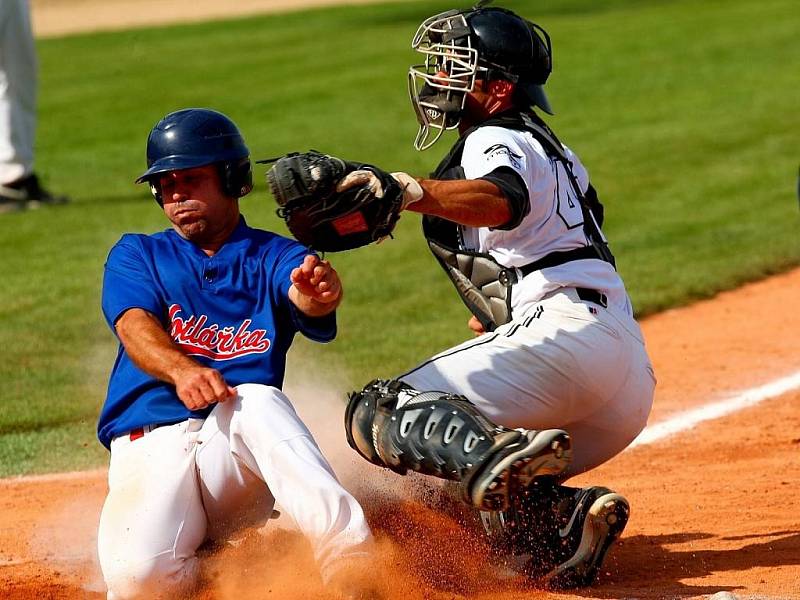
(684, 112)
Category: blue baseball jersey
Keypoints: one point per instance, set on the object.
(230, 311)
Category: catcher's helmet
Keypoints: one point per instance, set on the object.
(195, 137)
(461, 46)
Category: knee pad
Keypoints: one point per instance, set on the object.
(434, 433)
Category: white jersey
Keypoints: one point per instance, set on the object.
(553, 224)
(562, 361)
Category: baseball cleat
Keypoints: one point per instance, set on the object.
(520, 457)
(27, 193)
(592, 521)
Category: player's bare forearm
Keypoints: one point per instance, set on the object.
(152, 350)
(150, 346)
(316, 289)
(471, 202)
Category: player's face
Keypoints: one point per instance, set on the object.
(482, 102)
(475, 109)
(196, 205)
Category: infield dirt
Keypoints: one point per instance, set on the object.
(62, 17)
(713, 508)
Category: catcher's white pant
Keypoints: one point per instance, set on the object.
(17, 90)
(202, 479)
(561, 364)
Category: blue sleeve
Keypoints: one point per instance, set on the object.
(319, 329)
(127, 283)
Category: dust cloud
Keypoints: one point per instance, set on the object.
(428, 544)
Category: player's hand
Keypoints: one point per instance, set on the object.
(315, 280)
(476, 326)
(200, 387)
(361, 177)
(412, 190)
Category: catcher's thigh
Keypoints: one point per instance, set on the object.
(564, 364)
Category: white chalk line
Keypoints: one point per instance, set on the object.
(690, 418)
(54, 477)
(652, 433)
(53, 558)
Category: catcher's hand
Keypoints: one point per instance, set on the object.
(330, 204)
(412, 190)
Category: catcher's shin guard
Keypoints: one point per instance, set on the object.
(444, 435)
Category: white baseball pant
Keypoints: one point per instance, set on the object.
(18, 71)
(563, 363)
(181, 484)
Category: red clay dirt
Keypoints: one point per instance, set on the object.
(714, 508)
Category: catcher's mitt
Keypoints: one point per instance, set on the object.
(319, 216)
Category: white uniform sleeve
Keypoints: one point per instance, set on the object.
(489, 148)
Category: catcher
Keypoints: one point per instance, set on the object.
(557, 380)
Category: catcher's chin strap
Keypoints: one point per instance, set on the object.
(433, 433)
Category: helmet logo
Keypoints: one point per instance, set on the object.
(433, 114)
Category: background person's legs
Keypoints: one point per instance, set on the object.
(18, 72)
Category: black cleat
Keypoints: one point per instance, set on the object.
(27, 193)
(521, 456)
(587, 526)
(557, 535)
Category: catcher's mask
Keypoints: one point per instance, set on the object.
(195, 137)
(462, 46)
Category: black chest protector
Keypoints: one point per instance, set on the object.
(483, 284)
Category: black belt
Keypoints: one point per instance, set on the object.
(588, 295)
(508, 276)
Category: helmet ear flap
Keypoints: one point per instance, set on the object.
(156, 191)
(236, 177)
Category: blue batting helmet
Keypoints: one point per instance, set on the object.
(195, 137)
